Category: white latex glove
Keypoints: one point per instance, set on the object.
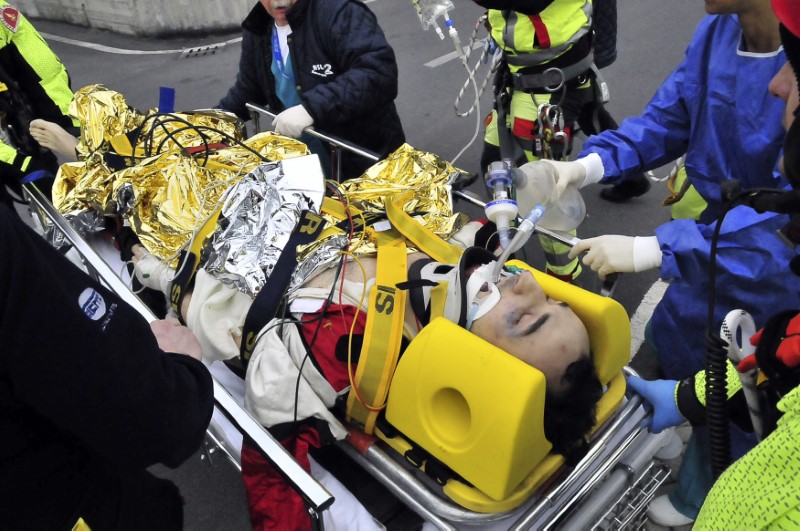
(292, 121)
(618, 254)
(563, 173)
(150, 271)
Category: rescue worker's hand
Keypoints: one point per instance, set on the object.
(788, 351)
(618, 254)
(565, 174)
(175, 338)
(150, 271)
(661, 395)
(292, 121)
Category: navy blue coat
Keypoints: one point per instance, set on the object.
(345, 70)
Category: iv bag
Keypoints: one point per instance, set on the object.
(430, 10)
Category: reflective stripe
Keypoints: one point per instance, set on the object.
(81, 525)
(557, 256)
(538, 39)
(7, 153)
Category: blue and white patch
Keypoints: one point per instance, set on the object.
(92, 304)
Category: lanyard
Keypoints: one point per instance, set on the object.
(277, 55)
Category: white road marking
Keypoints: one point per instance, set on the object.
(643, 313)
(439, 61)
(124, 51)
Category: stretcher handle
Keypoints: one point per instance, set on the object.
(336, 144)
(312, 492)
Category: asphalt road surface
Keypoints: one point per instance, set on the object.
(651, 41)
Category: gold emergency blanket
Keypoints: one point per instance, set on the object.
(418, 180)
(165, 173)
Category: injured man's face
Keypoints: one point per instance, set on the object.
(531, 326)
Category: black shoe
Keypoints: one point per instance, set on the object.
(626, 190)
(464, 181)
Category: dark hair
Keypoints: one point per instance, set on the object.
(570, 414)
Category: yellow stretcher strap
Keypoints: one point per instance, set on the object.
(382, 334)
(423, 238)
(190, 259)
(337, 209)
(438, 299)
(341, 212)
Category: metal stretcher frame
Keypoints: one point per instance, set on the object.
(336, 144)
(620, 458)
(618, 461)
(316, 497)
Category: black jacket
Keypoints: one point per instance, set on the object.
(87, 398)
(346, 74)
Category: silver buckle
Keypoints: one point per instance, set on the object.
(553, 79)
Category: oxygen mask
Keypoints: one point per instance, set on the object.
(536, 194)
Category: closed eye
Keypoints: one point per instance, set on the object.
(536, 325)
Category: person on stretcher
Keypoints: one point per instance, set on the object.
(327, 325)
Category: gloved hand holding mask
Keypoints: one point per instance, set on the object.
(565, 174)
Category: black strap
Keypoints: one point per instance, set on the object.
(416, 295)
(268, 300)
(182, 281)
(509, 148)
(552, 78)
(19, 114)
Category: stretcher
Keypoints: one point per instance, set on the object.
(608, 489)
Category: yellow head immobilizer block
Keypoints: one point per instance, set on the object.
(480, 410)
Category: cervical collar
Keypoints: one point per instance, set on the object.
(460, 290)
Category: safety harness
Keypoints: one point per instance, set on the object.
(269, 299)
(437, 288)
(386, 313)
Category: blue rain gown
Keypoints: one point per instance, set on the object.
(715, 108)
(752, 274)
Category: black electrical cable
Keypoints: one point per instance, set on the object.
(163, 119)
(716, 350)
(320, 315)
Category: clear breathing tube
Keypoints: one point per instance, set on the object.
(524, 232)
(534, 188)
